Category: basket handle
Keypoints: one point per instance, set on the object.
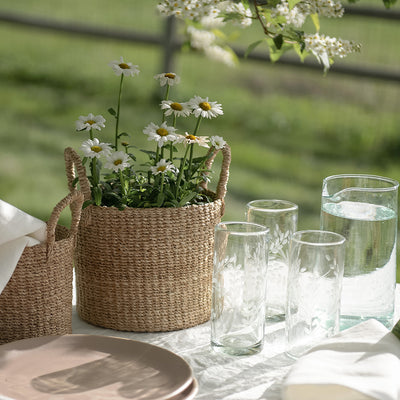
(75, 201)
(72, 162)
(224, 174)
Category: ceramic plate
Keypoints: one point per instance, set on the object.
(92, 367)
(189, 393)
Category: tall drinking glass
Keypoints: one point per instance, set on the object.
(314, 288)
(363, 208)
(280, 217)
(238, 291)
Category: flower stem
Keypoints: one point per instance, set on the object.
(162, 183)
(190, 160)
(117, 116)
(178, 180)
(122, 180)
(167, 92)
(157, 154)
(196, 129)
(93, 166)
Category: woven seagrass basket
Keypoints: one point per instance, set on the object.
(37, 300)
(146, 270)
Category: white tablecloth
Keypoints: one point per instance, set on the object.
(221, 377)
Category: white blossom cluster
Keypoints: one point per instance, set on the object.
(211, 13)
(244, 14)
(325, 47)
(205, 41)
(189, 9)
(298, 14)
(324, 8)
(293, 16)
(206, 11)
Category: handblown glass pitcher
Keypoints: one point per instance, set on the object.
(363, 208)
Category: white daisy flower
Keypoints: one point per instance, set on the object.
(117, 161)
(95, 149)
(218, 142)
(122, 67)
(161, 134)
(200, 140)
(179, 139)
(205, 108)
(162, 167)
(89, 122)
(169, 78)
(173, 107)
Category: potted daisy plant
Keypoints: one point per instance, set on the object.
(144, 251)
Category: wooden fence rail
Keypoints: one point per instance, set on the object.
(171, 44)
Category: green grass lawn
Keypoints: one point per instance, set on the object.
(288, 128)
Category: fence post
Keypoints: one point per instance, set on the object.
(168, 44)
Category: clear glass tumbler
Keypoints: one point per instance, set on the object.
(238, 291)
(314, 289)
(280, 217)
(363, 208)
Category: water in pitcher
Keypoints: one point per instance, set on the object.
(370, 259)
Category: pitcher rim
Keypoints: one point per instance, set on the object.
(393, 182)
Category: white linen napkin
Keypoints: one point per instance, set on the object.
(17, 230)
(362, 362)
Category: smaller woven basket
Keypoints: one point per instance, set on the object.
(146, 269)
(37, 300)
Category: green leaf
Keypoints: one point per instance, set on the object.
(292, 3)
(274, 53)
(252, 46)
(219, 34)
(97, 195)
(87, 203)
(389, 3)
(315, 20)
(396, 330)
(160, 199)
(278, 40)
(132, 156)
(187, 198)
(112, 111)
(299, 49)
(122, 134)
(75, 181)
(172, 203)
(149, 152)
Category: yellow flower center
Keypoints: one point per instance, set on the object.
(161, 168)
(90, 122)
(117, 162)
(176, 106)
(205, 106)
(169, 75)
(162, 132)
(191, 137)
(96, 149)
(125, 144)
(124, 66)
